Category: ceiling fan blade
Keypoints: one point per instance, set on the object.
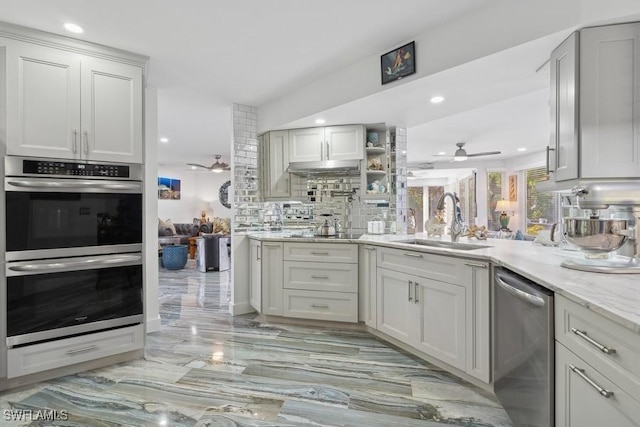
(486, 153)
(442, 155)
(199, 165)
(223, 165)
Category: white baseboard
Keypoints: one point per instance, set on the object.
(241, 308)
(153, 325)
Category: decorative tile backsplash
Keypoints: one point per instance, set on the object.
(312, 197)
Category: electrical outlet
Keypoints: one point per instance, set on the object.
(85, 211)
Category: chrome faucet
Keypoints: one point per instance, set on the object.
(457, 225)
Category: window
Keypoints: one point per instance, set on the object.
(542, 209)
(494, 193)
(467, 196)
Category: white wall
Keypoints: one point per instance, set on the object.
(195, 187)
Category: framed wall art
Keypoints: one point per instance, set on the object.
(398, 63)
(513, 188)
(168, 188)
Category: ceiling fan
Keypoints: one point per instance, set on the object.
(217, 167)
(462, 155)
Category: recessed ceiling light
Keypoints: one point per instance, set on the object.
(442, 153)
(437, 99)
(165, 140)
(320, 121)
(73, 28)
(522, 149)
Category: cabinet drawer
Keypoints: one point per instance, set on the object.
(337, 306)
(314, 276)
(55, 354)
(436, 267)
(580, 400)
(583, 331)
(324, 252)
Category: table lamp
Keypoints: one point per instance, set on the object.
(503, 206)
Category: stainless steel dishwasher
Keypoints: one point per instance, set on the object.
(523, 349)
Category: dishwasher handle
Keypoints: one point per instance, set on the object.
(534, 300)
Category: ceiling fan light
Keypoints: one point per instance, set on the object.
(459, 158)
(216, 170)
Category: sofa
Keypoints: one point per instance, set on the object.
(170, 233)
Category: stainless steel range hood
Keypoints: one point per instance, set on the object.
(325, 168)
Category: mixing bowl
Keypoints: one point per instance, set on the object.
(596, 235)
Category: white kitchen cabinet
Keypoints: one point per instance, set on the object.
(595, 357)
(62, 104)
(255, 275)
(395, 312)
(437, 304)
(367, 285)
(321, 281)
(275, 161)
(563, 152)
(272, 278)
(581, 396)
(328, 143)
(595, 121)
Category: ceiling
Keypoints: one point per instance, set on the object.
(207, 54)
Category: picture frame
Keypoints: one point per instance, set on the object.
(168, 188)
(513, 188)
(398, 63)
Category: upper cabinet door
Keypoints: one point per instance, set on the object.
(277, 148)
(610, 101)
(43, 101)
(306, 145)
(344, 142)
(564, 115)
(111, 111)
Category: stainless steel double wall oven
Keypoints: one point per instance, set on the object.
(73, 241)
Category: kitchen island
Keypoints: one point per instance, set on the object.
(614, 296)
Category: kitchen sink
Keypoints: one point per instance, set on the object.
(443, 244)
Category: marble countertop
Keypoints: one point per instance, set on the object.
(614, 296)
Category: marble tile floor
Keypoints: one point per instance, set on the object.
(206, 368)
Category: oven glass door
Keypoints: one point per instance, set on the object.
(54, 298)
(56, 220)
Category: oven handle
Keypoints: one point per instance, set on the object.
(70, 264)
(74, 185)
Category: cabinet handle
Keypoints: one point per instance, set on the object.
(271, 245)
(474, 264)
(549, 149)
(86, 142)
(319, 277)
(319, 306)
(319, 253)
(412, 255)
(415, 291)
(583, 335)
(603, 392)
(258, 250)
(328, 155)
(322, 151)
(81, 350)
(369, 249)
(410, 283)
(75, 141)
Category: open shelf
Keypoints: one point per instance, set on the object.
(372, 151)
(376, 172)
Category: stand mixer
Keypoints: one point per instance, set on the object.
(599, 238)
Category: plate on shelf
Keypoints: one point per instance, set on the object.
(375, 150)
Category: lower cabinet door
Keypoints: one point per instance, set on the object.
(255, 275)
(395, 304)
(336, 306)
(581, 396)
(441, 321)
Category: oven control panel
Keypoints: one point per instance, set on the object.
(40, 167)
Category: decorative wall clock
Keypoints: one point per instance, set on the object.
(224, 194)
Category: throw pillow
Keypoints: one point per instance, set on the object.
(163, 225)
